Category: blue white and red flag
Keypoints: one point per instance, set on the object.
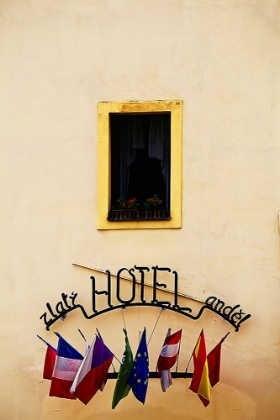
(68, 361)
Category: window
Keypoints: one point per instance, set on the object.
(139, 164)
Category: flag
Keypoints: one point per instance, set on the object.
(105, 380)
(139, 375)
(93, 371)
(168, 357)
(50, 357)
(122, 388)
(200, 383)
(67, 363)
(214, 362)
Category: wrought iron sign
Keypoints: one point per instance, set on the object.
(234, 315)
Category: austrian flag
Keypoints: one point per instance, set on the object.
(168, 357)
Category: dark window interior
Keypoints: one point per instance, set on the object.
(140, 159)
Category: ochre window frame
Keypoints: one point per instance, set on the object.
(104, 110)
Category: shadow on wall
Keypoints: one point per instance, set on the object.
(177, 402)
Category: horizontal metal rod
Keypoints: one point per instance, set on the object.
(184, 375)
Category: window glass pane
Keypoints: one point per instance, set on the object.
(140, 158)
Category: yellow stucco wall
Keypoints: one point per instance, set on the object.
(58, 60)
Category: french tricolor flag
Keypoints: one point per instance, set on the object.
(68, 361)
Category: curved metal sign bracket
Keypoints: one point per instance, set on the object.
(234, 315)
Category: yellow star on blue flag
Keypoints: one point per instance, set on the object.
(139, 375)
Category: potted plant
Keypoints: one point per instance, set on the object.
(131, 209)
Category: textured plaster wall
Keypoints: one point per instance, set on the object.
(58, 59)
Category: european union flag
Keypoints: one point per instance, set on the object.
(139, 375)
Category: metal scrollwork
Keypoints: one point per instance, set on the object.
(232, 314)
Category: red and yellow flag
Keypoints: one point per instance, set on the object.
(200, 383)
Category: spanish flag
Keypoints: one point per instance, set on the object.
(200, 383)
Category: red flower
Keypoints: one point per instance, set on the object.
(123, 204)
(159, 201)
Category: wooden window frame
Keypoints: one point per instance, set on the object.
(104, 174)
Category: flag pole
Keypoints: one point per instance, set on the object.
(122, 309)
(193, 351)
(223, 339)
(189, 362)
(82, 334)
(155, 326)
(44, 341)
(179, 353)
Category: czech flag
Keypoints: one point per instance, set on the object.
(93, 371)
(68, 361)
